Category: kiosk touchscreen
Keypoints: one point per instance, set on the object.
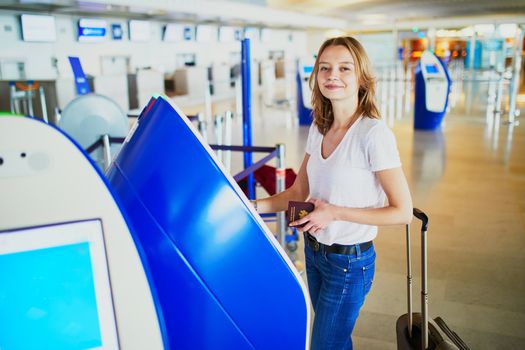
(431, 69)
(59, 291)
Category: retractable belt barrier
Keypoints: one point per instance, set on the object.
(238, 177)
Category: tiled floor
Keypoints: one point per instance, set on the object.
(470, 179)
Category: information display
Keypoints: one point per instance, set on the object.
(38, 28)
(173, 32)
(91, 30)
(116, 31)
(139, 31)
(227, 34)
(206, 33)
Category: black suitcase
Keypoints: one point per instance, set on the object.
(411, 326)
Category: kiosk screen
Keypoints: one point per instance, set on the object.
(431, 69)
(54, 288)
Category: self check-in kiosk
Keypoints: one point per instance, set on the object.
(71, 276)
(304, 94)
(432, 87)
(222, 279)
(168, 255)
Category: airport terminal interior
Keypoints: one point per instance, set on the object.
(163, 103)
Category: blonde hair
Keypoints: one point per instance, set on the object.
(322, 107)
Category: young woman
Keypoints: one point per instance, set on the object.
(352, 173)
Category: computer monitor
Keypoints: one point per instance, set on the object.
(173, 32)
(38, 28)
(227, 34)
(206, 33)
(55, 290)
(139, 31)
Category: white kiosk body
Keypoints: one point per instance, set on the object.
(71, 275)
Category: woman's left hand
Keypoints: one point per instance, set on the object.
(317, 219)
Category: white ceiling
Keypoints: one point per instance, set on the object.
(378, 14)
(236, 12)
(349, 15)
(402, 9)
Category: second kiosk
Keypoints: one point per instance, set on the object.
(432, 87)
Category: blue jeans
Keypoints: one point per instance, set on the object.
(338, 285)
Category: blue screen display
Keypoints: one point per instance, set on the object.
(431, 68)
(48, 301)
(307, 70)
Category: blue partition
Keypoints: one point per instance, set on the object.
(222, 281)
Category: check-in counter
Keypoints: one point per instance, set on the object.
(191, 81)
(115, 87)
(143, 85)
(220, 78)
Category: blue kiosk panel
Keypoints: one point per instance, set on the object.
(304, 107)
(221, 281)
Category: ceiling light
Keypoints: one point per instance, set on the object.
(507, 30)
(468, 31)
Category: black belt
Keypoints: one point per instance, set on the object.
(334, 248)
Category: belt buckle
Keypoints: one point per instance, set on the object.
(312, 242)
(315, 244)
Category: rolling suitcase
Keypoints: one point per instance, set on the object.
(415, 330)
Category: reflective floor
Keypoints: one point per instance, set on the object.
(469, 178)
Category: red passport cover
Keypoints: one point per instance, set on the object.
(298, 210)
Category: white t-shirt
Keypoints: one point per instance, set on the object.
(346, 178)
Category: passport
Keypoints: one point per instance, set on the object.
(298, 210)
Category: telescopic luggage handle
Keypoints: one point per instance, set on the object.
(424, 293)
(421, 216)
